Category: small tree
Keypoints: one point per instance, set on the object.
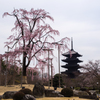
(32, 35)
(56, 81)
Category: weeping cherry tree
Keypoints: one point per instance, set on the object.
(31, 34)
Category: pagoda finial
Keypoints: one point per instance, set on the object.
(71, 43)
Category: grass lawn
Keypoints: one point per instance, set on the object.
(30, 86)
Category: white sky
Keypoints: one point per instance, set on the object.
(79, 19)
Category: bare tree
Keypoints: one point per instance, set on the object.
(92, 71)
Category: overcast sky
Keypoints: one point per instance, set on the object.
(79, 19)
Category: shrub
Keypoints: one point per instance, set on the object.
(18, 96)
(26, 91)
(77, 88)
(83, 89)
(56, 81)
(67, 92)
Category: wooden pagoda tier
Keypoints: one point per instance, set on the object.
(71, 61)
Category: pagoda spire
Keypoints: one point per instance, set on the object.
(71, 43)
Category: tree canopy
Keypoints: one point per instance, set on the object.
(31, 35)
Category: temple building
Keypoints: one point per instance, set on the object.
(71, 61)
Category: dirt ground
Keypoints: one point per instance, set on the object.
(18, 87)
(13, 88)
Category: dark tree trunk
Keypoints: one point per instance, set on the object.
(24, 79)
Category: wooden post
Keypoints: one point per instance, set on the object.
(51, 74)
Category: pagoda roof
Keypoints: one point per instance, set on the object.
(71, 53)
(71, 59)
(71, 71)
(71, 66)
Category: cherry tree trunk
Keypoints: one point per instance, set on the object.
(24, 78)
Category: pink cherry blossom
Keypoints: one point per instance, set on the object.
(32, 34)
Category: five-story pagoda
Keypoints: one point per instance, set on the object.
(72, 61)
